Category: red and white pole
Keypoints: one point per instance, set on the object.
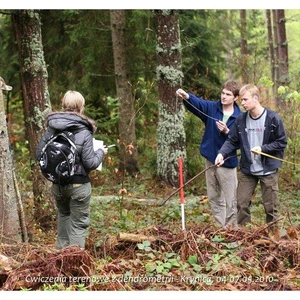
(180, 162)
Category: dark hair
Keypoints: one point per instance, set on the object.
(232, 86)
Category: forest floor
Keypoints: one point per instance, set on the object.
(141, 239)
(136, 244)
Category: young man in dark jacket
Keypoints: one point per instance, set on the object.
(218, 118)
(257, 131)
(73, 199)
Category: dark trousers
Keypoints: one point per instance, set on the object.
(269, 190)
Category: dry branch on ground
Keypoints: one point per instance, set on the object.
(231, 259)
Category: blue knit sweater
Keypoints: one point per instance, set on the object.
(212, 140)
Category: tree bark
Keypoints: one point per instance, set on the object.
(36, 102)
(271, 46)
(284, 78)
(10, 230)
(275, 45)
(281, 70)
(244, 46)
(127, 135)
(171, 139)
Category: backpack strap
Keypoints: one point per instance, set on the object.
(79, 170)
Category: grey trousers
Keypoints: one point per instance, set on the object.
(221, 191)
(269, 191)
(73, 204)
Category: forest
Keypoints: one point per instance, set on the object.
(128, 65)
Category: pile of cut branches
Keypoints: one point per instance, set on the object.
(199, 258)
(38, 267)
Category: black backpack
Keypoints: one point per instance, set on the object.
(59, 158)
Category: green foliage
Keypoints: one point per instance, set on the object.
(9, 59)
(291, 119)
(107, 123)
(265, 81)
(61, 287)
(192, 259)
(293, 28)
(145, 246)
(146, 107)
(140, 27)
(157, 266)
(254, 64)
(85, 62)
(201, 52)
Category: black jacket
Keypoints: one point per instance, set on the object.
(82, 128)
(274, 142)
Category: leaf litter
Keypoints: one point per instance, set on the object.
(200, 258)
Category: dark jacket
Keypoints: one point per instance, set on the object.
(274, 142)
(82, 128)
(209, 112)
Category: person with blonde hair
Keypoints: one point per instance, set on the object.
(73, 199)
(258, 130)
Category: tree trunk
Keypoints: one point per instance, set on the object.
(282, 74)
(284, 78)
(36, 102)
(271, 46)
(275, 45)
(128, 145)
(171, 139)
(10, 229)
(244, 46)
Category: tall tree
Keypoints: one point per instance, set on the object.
(36, 100)
(284, 78)
(275, 45)
(128, 145)
(281, 49)
(171, 139)
(271, 46)
(10, 229)
(244, 46)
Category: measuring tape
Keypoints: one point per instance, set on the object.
(271, 156)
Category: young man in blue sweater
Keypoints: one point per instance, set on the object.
(218, 118)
